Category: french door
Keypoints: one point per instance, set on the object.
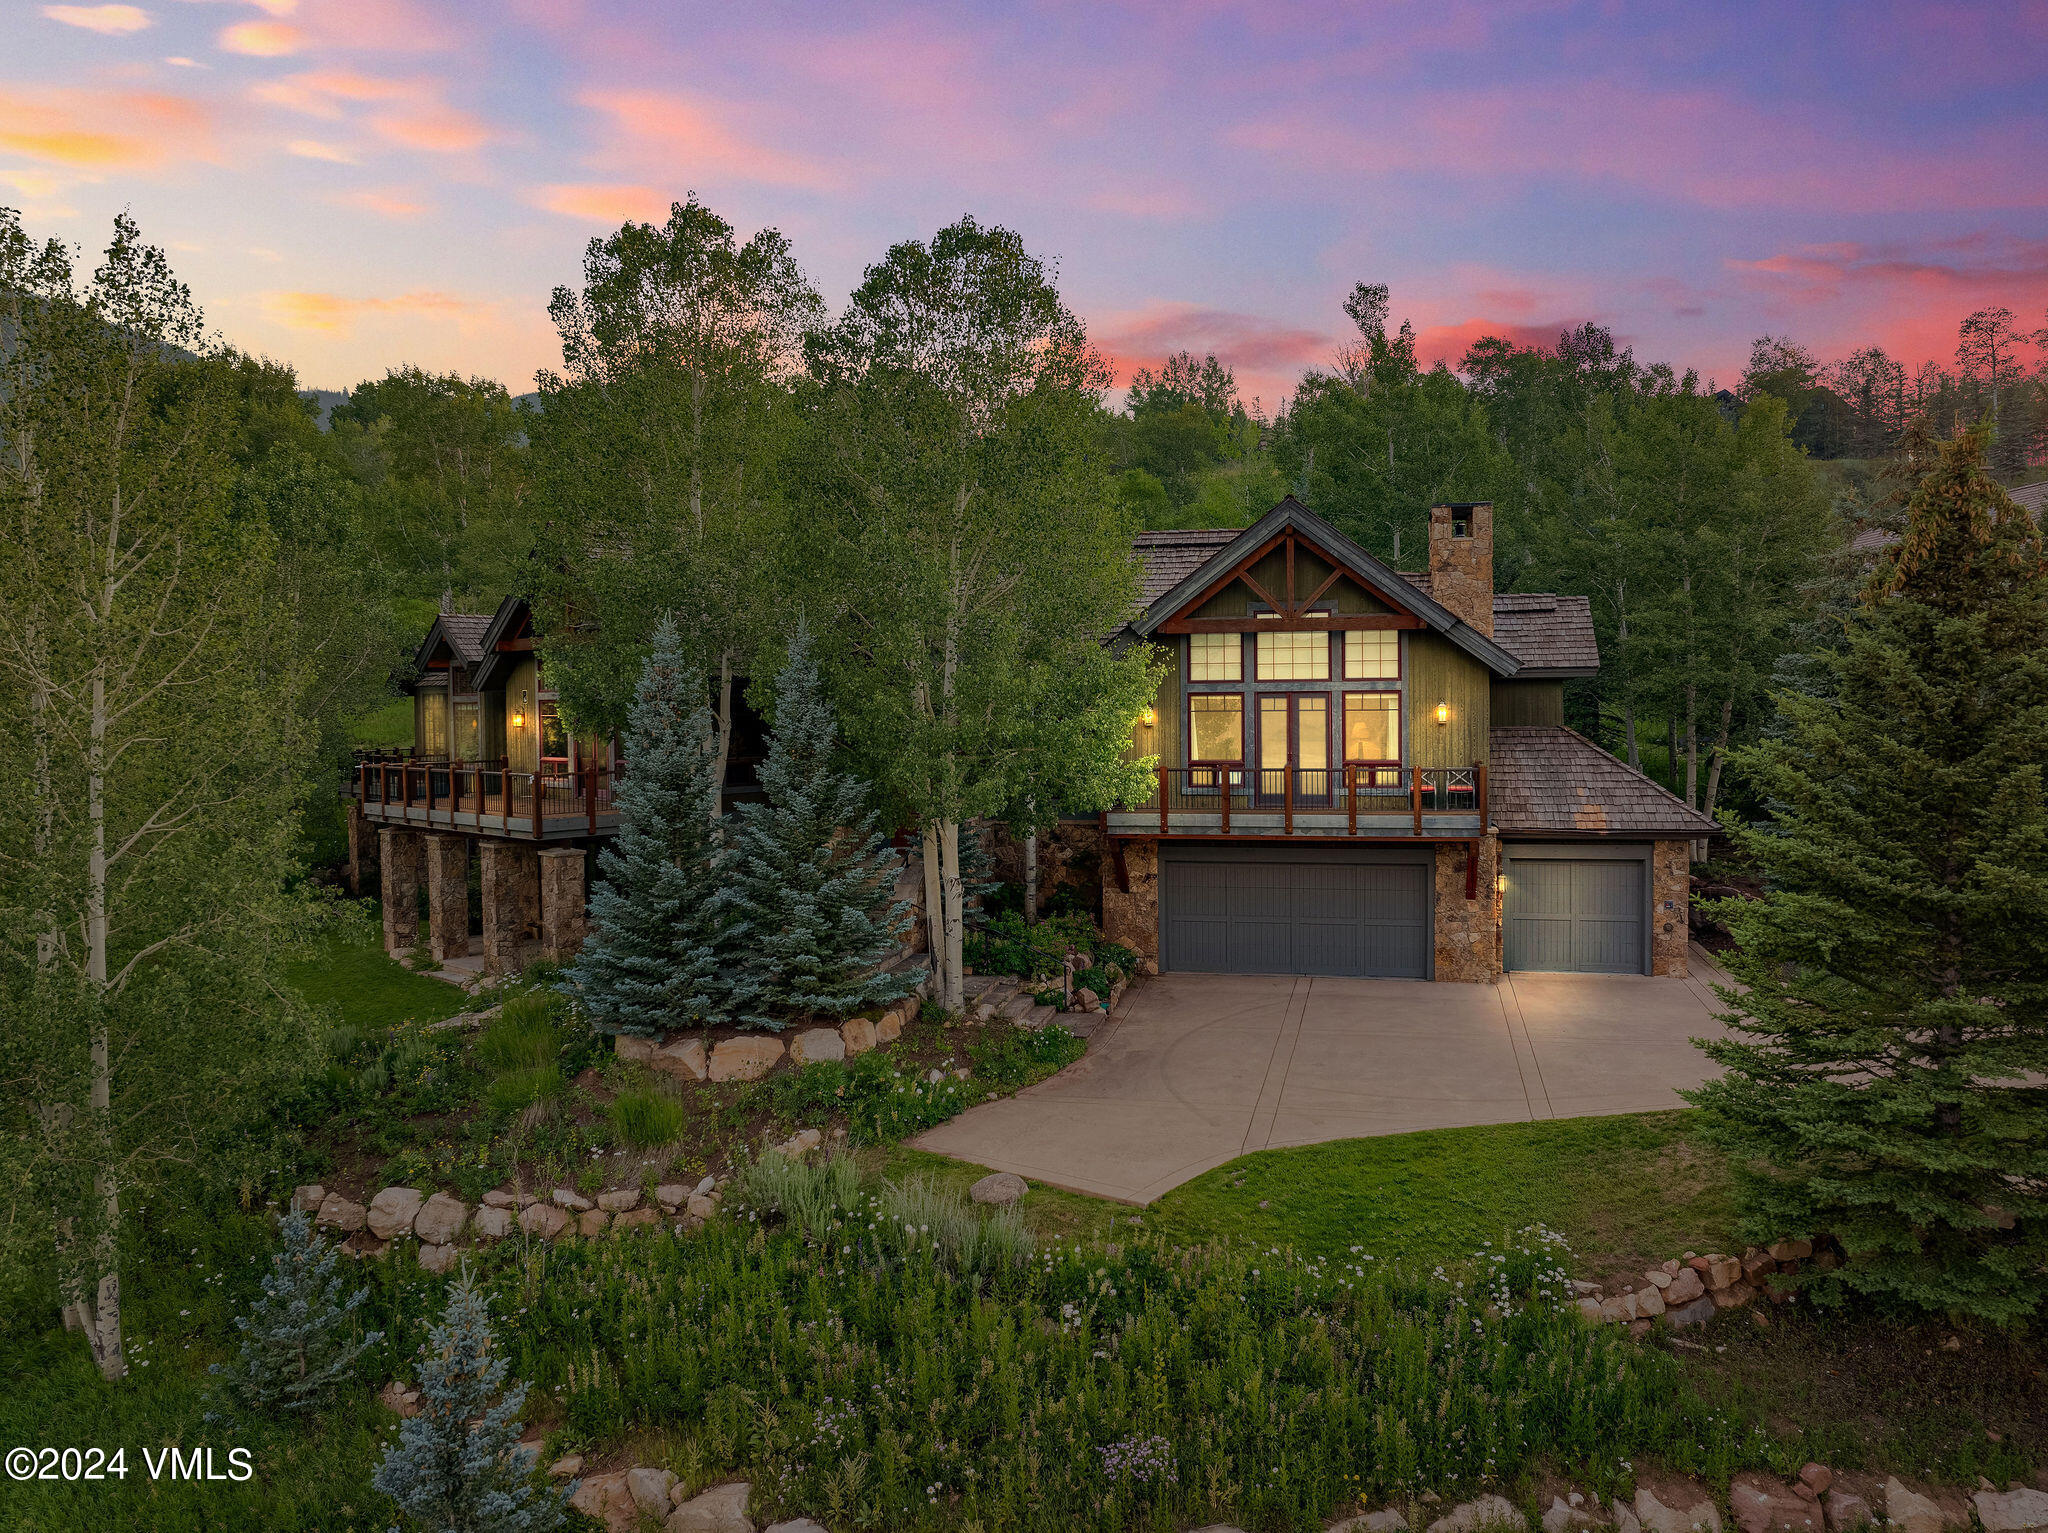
(1294, 747)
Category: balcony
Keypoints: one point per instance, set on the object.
(1366, 802)
(486, 798)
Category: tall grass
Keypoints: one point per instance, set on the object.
(525, 1034)
(646, 1119)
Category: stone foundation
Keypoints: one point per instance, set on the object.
(561, 902)
(363, 862)
(1670, 903)
(448, 896)
(398, 862)
(1468, 930)
(511, 886)
(1132, 919)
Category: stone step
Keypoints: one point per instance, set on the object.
(1037, 1017)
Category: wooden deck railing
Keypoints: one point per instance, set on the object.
(1217, 794)
(484, 793)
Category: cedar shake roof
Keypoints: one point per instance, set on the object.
(2031, 498)
(1168, 558)
(465, 633)
(1544, 779)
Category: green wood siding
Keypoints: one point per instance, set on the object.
(522, 696)
(1161, 738)
(1437, 671)
(1528, 702)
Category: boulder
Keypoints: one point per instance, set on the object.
(1625, 1518)
(801, 1143)
(1846, 1510)
(700, 1206)
(2012, 1511)
(857, 1034)
(1622, 1308)
(619, 1201)
(592, 1221)
(1591, 1308)
(650, 1489)
(744, 1059)
(307, 1199)
(1734, 1296)
(1791, 1250)
(801, 1525)
(567, 1467)
(1649, 1303)
(1658, 1277)
(814, 1044)
(1386, 1520)
(492, 1223)
(636, 1219)
(1764, 1506)
(1562, 1517)
(338, 1213)
(670, 1196)
(496, 1198)
(1909, 1511)
(595, 1494)
(1085, 1000)
(399, 1400)
(543, 1220)
(440, 1219)
(575, 1202)
(1001, 1189)
(1684, 1287)
(1816, 1478)
(890, 1027)
(1698, 1516)
(392, 1210)
(722, 1509)
(1722, 1271)
(1471, 1516)
(686, 1060)
(441, 1258)
(627, 1046)
(1699, 1312)
(708, 1185)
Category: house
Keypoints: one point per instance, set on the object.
(1366, 772)
(493, 776)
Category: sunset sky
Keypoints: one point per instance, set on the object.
(351, 184)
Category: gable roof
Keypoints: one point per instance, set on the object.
(1545, 779)
(1292, 515)
(1551, 635)
(462, 632)
(503, 623)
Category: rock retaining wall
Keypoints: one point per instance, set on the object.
(1690, 1289)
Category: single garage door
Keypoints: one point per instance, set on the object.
(1583, 916)
(1280, 915)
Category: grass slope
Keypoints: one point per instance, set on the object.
(352, 975)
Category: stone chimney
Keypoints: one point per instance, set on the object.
(1461, 561)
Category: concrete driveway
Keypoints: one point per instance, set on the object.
(1198, 1069)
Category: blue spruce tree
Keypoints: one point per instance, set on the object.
(810, 885)
(457, 1466)
(298, 1341)
(652, 960)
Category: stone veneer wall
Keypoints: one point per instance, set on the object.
(1461, 569)
(1670, 903)
(1132, 919)
(447, 895)
(561, 902)
(1468, 930)
(511, 889)
(399, 872)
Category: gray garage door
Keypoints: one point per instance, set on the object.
(1586, 917)
(1276, 916)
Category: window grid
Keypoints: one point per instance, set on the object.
(1372, 654)
(1301, 655)
(1215, 657)
(1372, 726)
(1216, 726)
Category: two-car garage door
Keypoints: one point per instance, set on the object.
(1255, 910)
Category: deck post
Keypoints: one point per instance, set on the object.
(505, 794)
(1162, 798)
(430, 793)
(1224, 780)
(1415, 794)
(539, 832)
(1351, 792)
(1287, 793)
(1481, 767)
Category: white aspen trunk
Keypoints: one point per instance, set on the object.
(721, 749)
(1720, 755)
(934, 908)
(101, 1317)
(1671, 748)
(952, 897)
(1031, 878)
(1628, 724)
(1692, 745)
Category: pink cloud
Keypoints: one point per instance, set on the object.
(1267, 355)
(262, 39)
(104, 129)
(333, 314)
(107, 20)
(604, 204)
(382, 26)
(1145, 202)
(683, 138)
(383, 204)
(1449, 343)
(437, 128)
(321, 92)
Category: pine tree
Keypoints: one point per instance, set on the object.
(457, 1466)
(654, 954)
(296, 1341)
(810, 886)
(1882, 1076)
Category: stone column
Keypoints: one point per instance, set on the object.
(448, 896)
(1130, 918)
(1670, 907)
(1468, 930)
(362, 850)
(561, 903)
(511, 884)
(398, 858)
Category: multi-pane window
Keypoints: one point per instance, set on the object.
(1372, 726)
(1372, 654)
(1215, 657)
(433, 722)
(1215, 727)
(1301, 655)
(468, 739)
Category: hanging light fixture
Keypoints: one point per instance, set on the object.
(519, 717)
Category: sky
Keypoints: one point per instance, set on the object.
(350, 185)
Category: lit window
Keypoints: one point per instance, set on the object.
(1215, 727)
(1215, 657)
(1371, 654)
(1297, 656)
(1372, 726)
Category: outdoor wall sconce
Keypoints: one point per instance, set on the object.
(1443, 713)
(1500, 884)
(519, 714)
(1149, 717)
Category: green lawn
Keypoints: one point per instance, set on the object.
(351, 974)
(1625, 1191)
(389, 723)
